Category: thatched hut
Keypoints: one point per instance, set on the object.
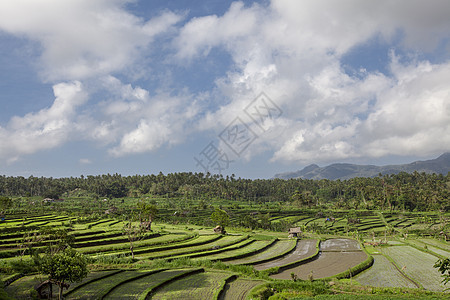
(219, 229)
(295, 232)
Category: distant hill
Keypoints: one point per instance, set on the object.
(440, 165)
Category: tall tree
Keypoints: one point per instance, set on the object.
(134, 233)
(5, 203)
(221, 218)
(147, 214)
(65, 266)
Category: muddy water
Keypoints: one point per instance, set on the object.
(336, 256)
(328, 264)
(304, 249)
(339, 245)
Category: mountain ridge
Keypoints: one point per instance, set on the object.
(343, 171)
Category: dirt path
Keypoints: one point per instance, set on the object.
(304, 249)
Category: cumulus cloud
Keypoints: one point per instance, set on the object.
(413, 116)
(80, 41)
(45, 129)
(82, 38)
(292, 50)
(133, 121)
(199, 35)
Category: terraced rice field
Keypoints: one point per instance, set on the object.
(383, 274)
(91, 277)
(223, 242)
(139, 245)
(247, 249)
(99, 288)
(327, 264)
(436, 243)
(134, 289)
(20, 289)
(417, 265)
(133, 284)
(423, 245)
(336, 256)
(238, 289)
(104, 237)
(339, 245)
(280, 247)
(195, 287)
(304, 249)
(306, 221)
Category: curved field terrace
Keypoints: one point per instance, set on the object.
(339, 245)
(332, 260)
(383, 274)
(304, 249)
(282, 246)
(239, 289)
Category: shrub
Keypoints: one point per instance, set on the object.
(262, 292)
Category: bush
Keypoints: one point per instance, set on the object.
(262, 292)
(24, 266)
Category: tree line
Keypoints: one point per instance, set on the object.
(403, 191)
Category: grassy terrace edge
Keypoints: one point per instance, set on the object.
(146, 294)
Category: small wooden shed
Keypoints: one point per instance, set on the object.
(295, 232)
(45, 288)
(219, 229)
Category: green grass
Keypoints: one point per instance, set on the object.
(121, 247)
(96, 289)
(198, 286)
(151, 290)
(417, 265)
(438, 252)
(23, 287)
(439, 244)
(281, 247)
(240, 288)
(248, 249)
(134, 288)
(178, 241)
(223, 242)
(226, 248)
(91, 277)
(365, 297)
(383, 274)
(199, 240)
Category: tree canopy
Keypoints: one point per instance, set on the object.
(147, 213)
(403, 191)
(65, 266)
(5, 203)
(443, 266)
(220, 217)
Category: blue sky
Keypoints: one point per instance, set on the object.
(250, 88)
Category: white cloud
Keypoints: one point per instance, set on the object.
(85, 161)
(201, 34)
(292, 50)
(289, 49)
(133, 121)
(147, 137)
(46, 129)
(82, 38)
(413, 116)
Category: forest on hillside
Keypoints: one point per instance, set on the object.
(403, 191)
